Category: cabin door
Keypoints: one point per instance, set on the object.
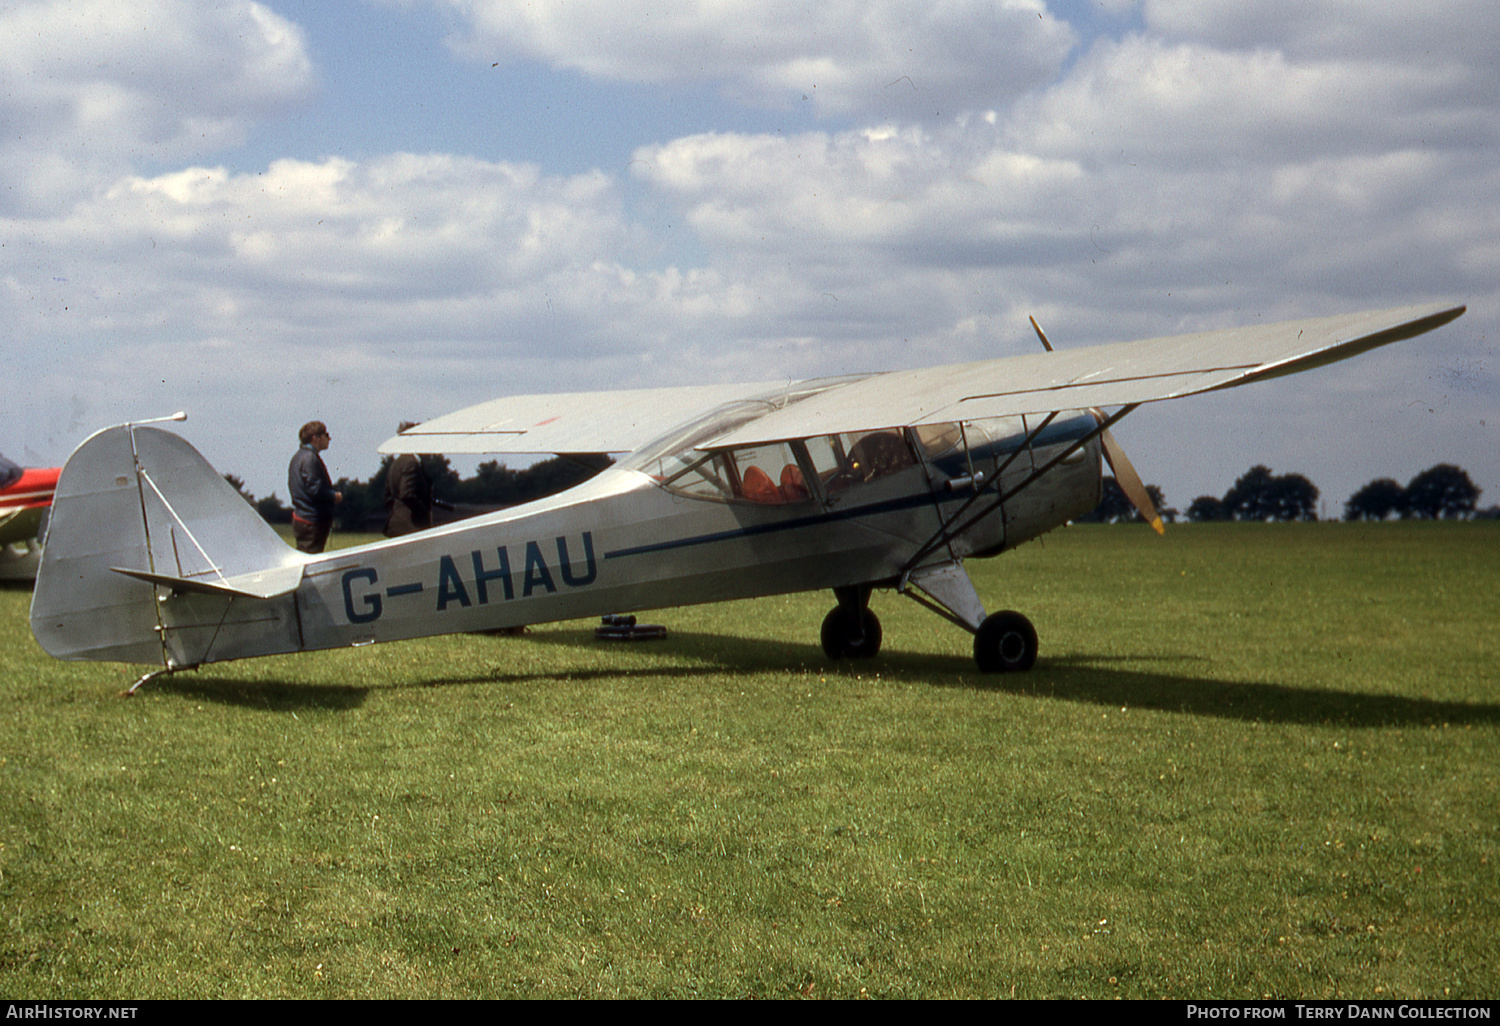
(963, 461)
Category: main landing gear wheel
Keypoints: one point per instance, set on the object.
(850, 633)
(1005, 643)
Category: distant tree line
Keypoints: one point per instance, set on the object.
(1260, 495)
(493, 486)
(1441, 492)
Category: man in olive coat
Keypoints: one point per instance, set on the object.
(408, 494)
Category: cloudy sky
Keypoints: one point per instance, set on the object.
(379, 210)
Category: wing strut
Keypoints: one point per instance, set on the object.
(948, 532)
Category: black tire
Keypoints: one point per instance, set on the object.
(1005, 643)
(850, 636)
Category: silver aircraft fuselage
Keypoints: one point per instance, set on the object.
(624, 541)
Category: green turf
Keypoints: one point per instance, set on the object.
(1252, 760)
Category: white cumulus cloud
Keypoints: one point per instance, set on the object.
(92, 87)
(872, 59)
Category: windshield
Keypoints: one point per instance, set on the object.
(676, 451)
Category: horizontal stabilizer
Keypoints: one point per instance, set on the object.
(262, 584)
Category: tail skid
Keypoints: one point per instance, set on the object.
(152, 557)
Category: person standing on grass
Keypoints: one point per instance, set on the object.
(312, 492)
(408, 493)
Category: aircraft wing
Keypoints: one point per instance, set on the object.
(25, 496)
(1116, 374)
(571, 422)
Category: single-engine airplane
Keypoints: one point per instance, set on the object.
(728, 491)
(25, 496)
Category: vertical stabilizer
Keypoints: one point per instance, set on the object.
(139, 500)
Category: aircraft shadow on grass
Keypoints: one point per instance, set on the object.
(1079, 678)
(1088, 678)
(270, 695)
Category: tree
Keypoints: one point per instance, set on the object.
(1115, 507)
(1206, 507)
(1376, 501)
(493, 482)
(1159, 500)
(1443, 491)
(1247, 497)
(1293, 497)
(495, 485)
(272, 510)
(1261, 495)
(363, 505)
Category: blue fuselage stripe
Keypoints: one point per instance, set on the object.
(796, 523)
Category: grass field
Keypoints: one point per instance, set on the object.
(1253, 760)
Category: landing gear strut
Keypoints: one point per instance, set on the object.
(1005, 643)
(850, 630)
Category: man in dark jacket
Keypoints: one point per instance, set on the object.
(312, 492)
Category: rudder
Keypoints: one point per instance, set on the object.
(139, 500)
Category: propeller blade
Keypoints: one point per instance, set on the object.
(1041, 334)
(1130, 481)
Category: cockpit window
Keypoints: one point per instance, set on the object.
(845, 460)
(769, 474)
(765, 474)
(707, 478)
(938, 439)
(782, 473)
(778, 473)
